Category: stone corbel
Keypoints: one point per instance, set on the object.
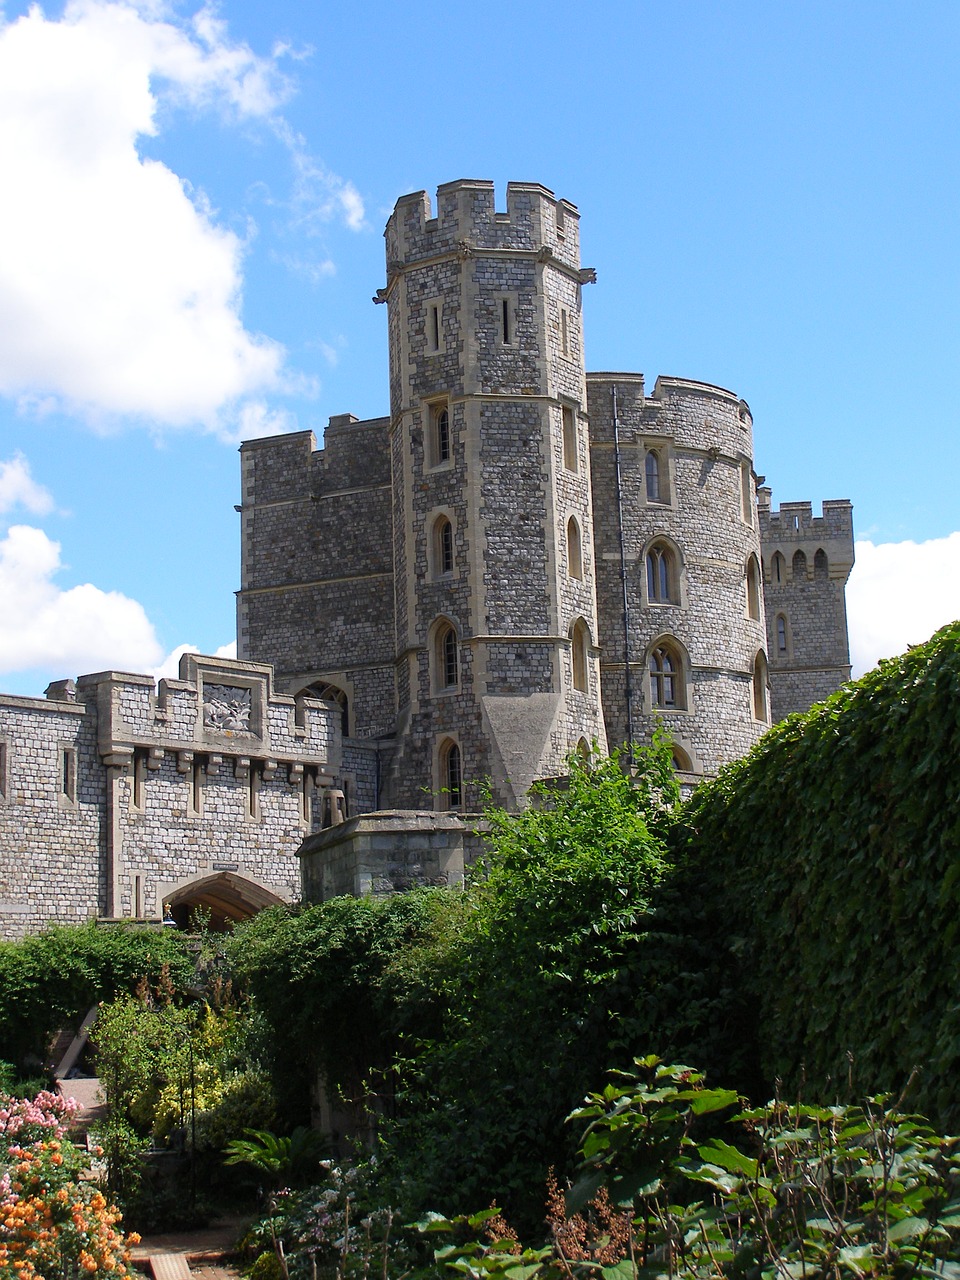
(213, 765)
(295, 774)
(119, 758)
(184, 761)
(241, 767)
(269, 769)
(154, 757)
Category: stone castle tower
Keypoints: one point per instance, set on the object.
(524, 559)
(496, 626)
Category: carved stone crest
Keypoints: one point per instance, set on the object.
(226, 709)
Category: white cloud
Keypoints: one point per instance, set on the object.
(19, 489)
(74, 631)
(899, 593)
(169, 668)
(120, 294)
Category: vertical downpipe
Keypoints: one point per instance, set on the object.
(628, 684)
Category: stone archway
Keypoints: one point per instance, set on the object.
(227, 896)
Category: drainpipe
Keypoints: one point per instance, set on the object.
(628, 684)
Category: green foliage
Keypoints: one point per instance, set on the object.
(284, 1161)
(827, 865)
(344, 981)
(842, 1192)
(541, 978)
(53, 978)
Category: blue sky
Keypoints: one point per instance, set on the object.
(192, 226)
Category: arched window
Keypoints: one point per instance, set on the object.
(760, 687)
(799, 567)
(332, 693)
(653, 476)
(583, 750)
(439, 434)
(781, 625)
(451, 775)
(681, 761)
(661, 575)
(779, 569)
(446, 655)
(579, 646)
(753, 588)
(442, 547)
(571, 452)
(574, 549)
(821, 566)
(666, 677)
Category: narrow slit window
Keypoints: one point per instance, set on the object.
(505, 318)
(68, 774)
(4, 785)
(564, 331)
(253, 790)
(441, 434)
(580, 640)
(139, 779)
(452, 776)
(434, 328)
(197, 775)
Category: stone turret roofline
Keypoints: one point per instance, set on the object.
(693, 387)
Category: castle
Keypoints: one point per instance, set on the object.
(520, 561)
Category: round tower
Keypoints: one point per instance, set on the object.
(679, 578)
(496, 618)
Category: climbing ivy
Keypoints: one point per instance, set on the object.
(828, 865)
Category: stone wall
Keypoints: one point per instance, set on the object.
(119, 797)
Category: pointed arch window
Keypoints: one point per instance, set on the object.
(753, 588)
(781, 625)
(580, 647)
(799, 567)
(654, 478)
(574, 549)
(451, 775)
(440, 437)
(326, 692)
(821, 566)
(666, 677)
(446, 646)
(442, 547)
(662, 576)
(779, 569)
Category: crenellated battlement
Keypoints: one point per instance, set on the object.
(466, 220)
(795, 522)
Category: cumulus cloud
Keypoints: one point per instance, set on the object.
(899, 593)
(19, 489)
(120, 294)
(74, 631)
(169, 668)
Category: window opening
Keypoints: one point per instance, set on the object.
(571, 452)
(574, 550)
(68, 774)
(580, 638)
(799, 567)
(443, 547)
(753, 588)
(760, 687)
(332, 693)
(3, 771)
(440, 431)
(779, 568)
(746, 495)
(665, 678)
(505, 316)
(564, 331)
(660, 576)
(821, 567)
(652, 468)
(781, 633)
(681, 761)
(139, 778)
(452, 776)
(434, 328)
(447, 651)
(253, 790)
